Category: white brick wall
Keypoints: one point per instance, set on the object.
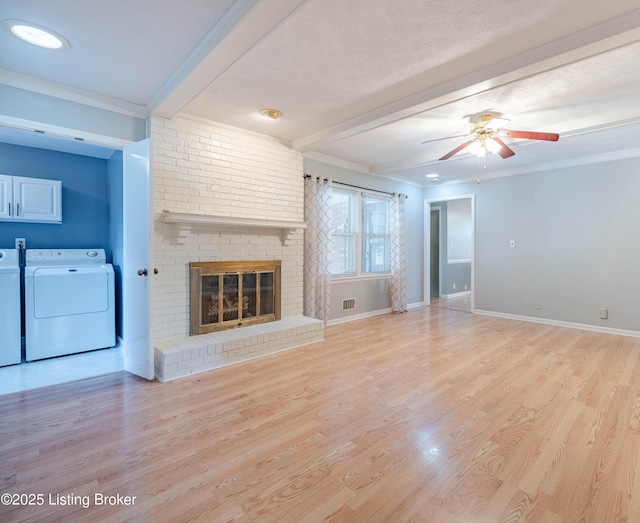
(203, 167)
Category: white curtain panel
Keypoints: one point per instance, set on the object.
(399, 275)
(317, 247)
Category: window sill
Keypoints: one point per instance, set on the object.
(360, 278)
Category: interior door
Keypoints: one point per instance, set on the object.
(137, 220)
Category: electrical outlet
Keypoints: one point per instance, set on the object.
(604, 313)
(538, 304)
(454, 286)
(21, 243)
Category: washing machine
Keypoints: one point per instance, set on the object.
(69, 302)
(10, 348)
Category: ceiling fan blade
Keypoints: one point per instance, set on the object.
(530, 135)
(446, 138)
(506, 151)
(456, 150)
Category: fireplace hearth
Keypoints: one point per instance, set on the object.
(227, 295)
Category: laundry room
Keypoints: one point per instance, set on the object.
(91, 216)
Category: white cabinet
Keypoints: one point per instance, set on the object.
(30, 199)
(6, 197)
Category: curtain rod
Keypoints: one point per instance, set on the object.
(355, 186)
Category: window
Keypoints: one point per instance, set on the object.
(361, 238)
(375, 234)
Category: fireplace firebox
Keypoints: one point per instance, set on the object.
(226, 295)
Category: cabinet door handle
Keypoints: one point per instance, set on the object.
(9, 208)
(142, 272)
(17, 209)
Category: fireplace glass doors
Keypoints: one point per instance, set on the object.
(226, 295)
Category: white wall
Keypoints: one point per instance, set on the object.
(203, 167)
(576, 243)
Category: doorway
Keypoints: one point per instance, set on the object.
(130, 353)
(434, 246)
(449, 272)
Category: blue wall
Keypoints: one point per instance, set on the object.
(85, 199)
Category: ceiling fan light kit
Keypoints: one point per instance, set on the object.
(485, 138)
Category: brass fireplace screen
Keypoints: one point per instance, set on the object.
(226, 295)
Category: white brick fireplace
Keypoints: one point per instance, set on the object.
(223, 194)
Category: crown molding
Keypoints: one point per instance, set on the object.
(35, 85)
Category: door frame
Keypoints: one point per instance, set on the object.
(426, 277)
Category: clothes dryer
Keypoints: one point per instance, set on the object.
(69, 302)
(10, 314)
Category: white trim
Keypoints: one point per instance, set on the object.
(35, 85)
(453, 262)
(363, 277)
(207, 219)
(426, 275)
(63, 132)
(354, 317)
(370, 314)
(456, 294)
(559, 323)
(358, 235)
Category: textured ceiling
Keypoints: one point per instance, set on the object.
(361, 82)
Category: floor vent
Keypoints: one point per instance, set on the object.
(349, 305)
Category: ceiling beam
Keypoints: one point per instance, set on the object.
(597, 123)
(243, 26)
(597, 39)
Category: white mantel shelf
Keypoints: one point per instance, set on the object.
(185, 220)
(206, 219)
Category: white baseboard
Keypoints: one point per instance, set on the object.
(456, 294)
(558, 323)
(354, 317)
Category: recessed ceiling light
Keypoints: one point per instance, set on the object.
(432, 175)
(36, 34)
(272, 114)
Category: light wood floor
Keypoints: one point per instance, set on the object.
(458, 303)
(433, 415)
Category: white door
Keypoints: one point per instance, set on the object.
(136, 255)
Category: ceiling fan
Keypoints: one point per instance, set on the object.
(486, 136)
